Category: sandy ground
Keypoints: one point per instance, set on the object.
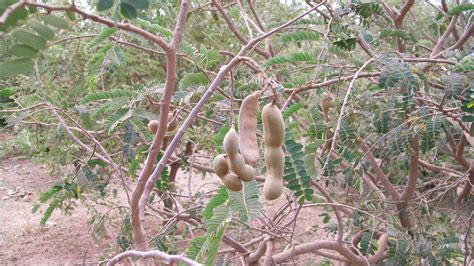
(65, 239)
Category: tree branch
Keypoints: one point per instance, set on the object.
(140, 194)
(442, 41)
(378, 171)
(73, 8)
(236, 31)
(468, 33)
(152, 254)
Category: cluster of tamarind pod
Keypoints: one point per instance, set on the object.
(172, 123)
(242, 151)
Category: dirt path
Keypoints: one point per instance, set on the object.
(64, 240)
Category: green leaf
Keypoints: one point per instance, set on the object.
(117, 118)
(290, 58)
(71, 15)
(193, 80)
(44, 31)
(106, 95)
(219, 217)
(466, 64)
(7, 92)
(98, 58)
(101, 37)
(22, 50)
(55, 21)
(452, 85)
(246, 201)
(128, 11)
(298, 36)
(15, 66)
(103, 5)
(30, 39)
(213, 246)
(468, 118)
(395, 33)
(12, 20)
(292, 109)
(460, 8)
(138, 4)
(32, 9)
(197, 247)
(217, 200)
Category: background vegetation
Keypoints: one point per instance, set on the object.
(80, 80)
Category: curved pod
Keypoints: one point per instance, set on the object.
(248, 128)
(273, 126)
(273, 136)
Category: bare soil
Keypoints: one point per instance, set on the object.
(65, 239)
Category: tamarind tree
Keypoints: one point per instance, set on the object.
(370, 127)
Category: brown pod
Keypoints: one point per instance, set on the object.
(220, 165)
(273, 135)
(272, 188)
(231, 142)
(172, 122)
(275, 161)
(238, 166)
(248, 128)
(327, 104)
(232, 182)
(273, 125)
(153, 126)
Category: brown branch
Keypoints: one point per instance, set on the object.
(382, 247)
(257, 254)
(152, 254)
(410, 186)
(340, 223)
(442, 40)
(403, 11)
(378, 171)
(365, 46)
(459, 154)
(140, 194)
(268, 254)
(468, 33)
(73, 8)
(413, 173)
(236, 31)
(398, 17)
(315, 246)
(466, 238)
(333, 81)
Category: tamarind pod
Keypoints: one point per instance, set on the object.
(327, 104)
(275, 162)
(273, 135)
(232, 182)
(248, 128)
(172, 122)
(220, 165)
(272, 188)
(231, 143)
(238, 166)
(153, 126)
(273, 126)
